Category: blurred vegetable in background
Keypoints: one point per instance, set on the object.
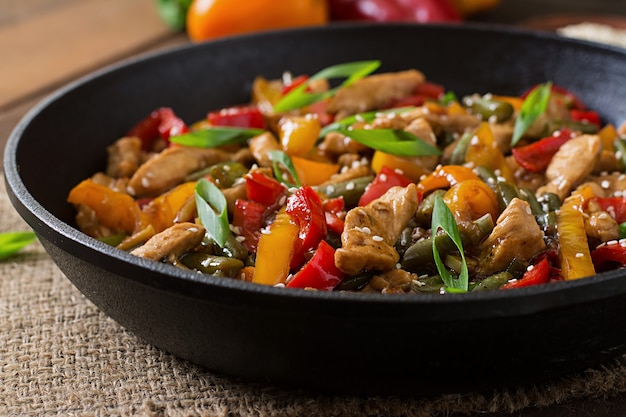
(211, 19)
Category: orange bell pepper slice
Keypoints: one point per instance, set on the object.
(471, 199)
(574, 254)
(113, 209)
(446, 176)
(608, 134)
(483, 151)
(275, 250)
(313, 172)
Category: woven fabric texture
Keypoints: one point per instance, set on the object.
(59, 355)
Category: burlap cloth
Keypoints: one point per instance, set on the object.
(59, 355)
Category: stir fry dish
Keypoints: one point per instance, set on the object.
(354, 179)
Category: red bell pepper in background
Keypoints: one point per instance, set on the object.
(420, 11)
(162, 122)
(238, 116)
(569, 99)
(424, 91)
(249, 217)
(320, 271)
(586, 116)
(609, 256)
(537, 156)
(306, 210)
(295, 82)
(383, 181)
(263, 189)
(615, 206)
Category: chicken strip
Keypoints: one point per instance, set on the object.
(173, 241)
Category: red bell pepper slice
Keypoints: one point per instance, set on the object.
(421, 11)
(306, 210)
(238, 116)
(383, 181)
(609, 256)
(332, 208)
(162, 122)
(567, 98)
(586, 116)
(540, 273)
(249, 218)
(537, 156)
(320, 272)
(295, 82)
(264, 189)
(615, 206)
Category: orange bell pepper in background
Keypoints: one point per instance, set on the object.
(114, 209)
(210, 19)
(275, 251)
(574, 254)
(471, 199)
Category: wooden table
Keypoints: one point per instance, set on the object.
(46, 43)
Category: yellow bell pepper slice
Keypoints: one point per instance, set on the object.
(574, 254)
(405, 164)
(313, 172)
(162, 210)
(608, 134)
(483, 151)
(298, 134)
(470, 200)
(275, 250)
(446, 176)
(113, 209)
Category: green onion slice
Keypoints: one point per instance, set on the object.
(534, 106)
(216, 136)
(448, 98)
(211, 205)
(443, 219)
(12, 242)
(299, 97)
(284, 171)
(393, 141)
(366, 117)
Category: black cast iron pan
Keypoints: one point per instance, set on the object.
(336, 342)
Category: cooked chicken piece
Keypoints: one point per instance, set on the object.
(234, 193)
(607, 162)
(421, 128)
(261, 146)
(516, 235)
(124, 157)
(170, 167)
(600, 225)
(611, 185)
(502, 133)
(390, 282)
(115, 184)
(349, 173)
(523, 178)
(173, 241)
(370, 232)
(374, 92)
(571, 164)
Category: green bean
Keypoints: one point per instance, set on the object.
(620, 147)
(351, 190)
(484, 226)
(517, 268)
(215, 265)
(488, 108)
(224, 174)
(554, 125)
(404, 241)
(420, 253)
(506, 192)
(529, 197)
(492, 282)
(425, 210)
(232, 249)
(427, 284)
(550, 201)
(460, 150)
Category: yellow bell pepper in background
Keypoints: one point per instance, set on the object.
(405, 164)
(608, 134)
(471, 199)
(275, 251)
(298, 134)
(574, 254)
(313, 172)
(483, 151)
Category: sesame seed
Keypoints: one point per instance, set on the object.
(266, 231)
(377, 238)
(612, 243)
(240, 238)
(383, 177)
(580, 255)
(605, 184)
(350, 186)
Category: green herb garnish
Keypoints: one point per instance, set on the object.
(211, 205)
(284, 171)
(443, 219)
(534, 106)
(393, 141)
(622, 230)
(366, 117)
(299, 97)
(216, 136)
(448, 98)
(12, 242)
(620, 147)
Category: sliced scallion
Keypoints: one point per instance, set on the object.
(299, 97)
(12, 242)
(284, 170)
(211, 206)
(393, 141)
(216, 136)
(444, 220)
(534, 105)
